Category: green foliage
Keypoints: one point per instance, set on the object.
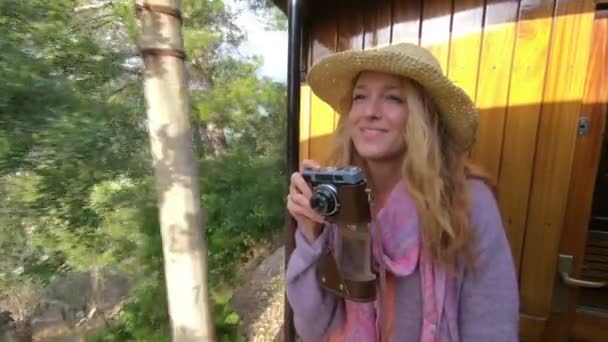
(48, 70)
(241, 207)
(144, 319)
(225, 318)
(75, 173)
(271, 15)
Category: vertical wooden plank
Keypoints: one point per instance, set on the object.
(493, 86)
(369, 24)
(350, 25)
(324, 41)
(435, 35)
(525, 97)
(530, 328)
(383, 21)
(305, 100)
(321, 128)
(377, 22)
(305, 95)
(406, 21)
(570, 47)
(465, 44)
(350, 30)
(323, 38)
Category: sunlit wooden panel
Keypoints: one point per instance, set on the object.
(406, 21)
(465, 44)
(525, 97)
(321, 128)
(493, 85)
(564, 88)
(435, 33)
(304, 122)
(336, 120)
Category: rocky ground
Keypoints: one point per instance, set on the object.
(69, 307)
(260, 299)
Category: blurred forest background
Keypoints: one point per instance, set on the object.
(78, 215)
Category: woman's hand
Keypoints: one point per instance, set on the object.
(298, 204)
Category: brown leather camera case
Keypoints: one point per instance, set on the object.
(354, 209)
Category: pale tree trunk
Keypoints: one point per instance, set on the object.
(216, 139)
(176, 171)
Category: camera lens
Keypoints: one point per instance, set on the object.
(324, 200)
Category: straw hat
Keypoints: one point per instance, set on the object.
(332, 79)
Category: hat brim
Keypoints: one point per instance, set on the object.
(332, 79)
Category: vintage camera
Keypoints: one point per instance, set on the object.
(341, 195)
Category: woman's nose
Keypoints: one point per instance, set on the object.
(372, 109)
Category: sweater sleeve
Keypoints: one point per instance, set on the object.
(316, 312)
(489, 308)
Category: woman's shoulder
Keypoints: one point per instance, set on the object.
(484, 208)
(481, 193)
(490, 237)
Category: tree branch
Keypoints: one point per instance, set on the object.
(93, 6)
(120, 89)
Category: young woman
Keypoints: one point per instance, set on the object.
(450, 275)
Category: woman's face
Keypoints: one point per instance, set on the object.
(378, 116)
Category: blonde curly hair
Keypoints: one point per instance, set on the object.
(435, 174)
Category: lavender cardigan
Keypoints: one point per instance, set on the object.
(488, 307)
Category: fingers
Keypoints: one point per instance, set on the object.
(308, 163)
(298, 200)
(299, 207)
(299, 185)
(301, 201)
(298, 181)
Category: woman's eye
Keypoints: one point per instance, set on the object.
(358, 97)
(395, 98)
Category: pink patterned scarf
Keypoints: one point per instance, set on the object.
(402, 253)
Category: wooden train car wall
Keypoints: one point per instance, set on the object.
(524, 63)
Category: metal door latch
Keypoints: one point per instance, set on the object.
(564, 269)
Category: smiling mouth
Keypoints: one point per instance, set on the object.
(364, 129)
(372, 132)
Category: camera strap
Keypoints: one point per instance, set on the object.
(332, 279)
(382, 270)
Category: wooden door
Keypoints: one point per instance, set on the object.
(580, 299)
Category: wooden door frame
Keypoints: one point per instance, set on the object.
(568, 322)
